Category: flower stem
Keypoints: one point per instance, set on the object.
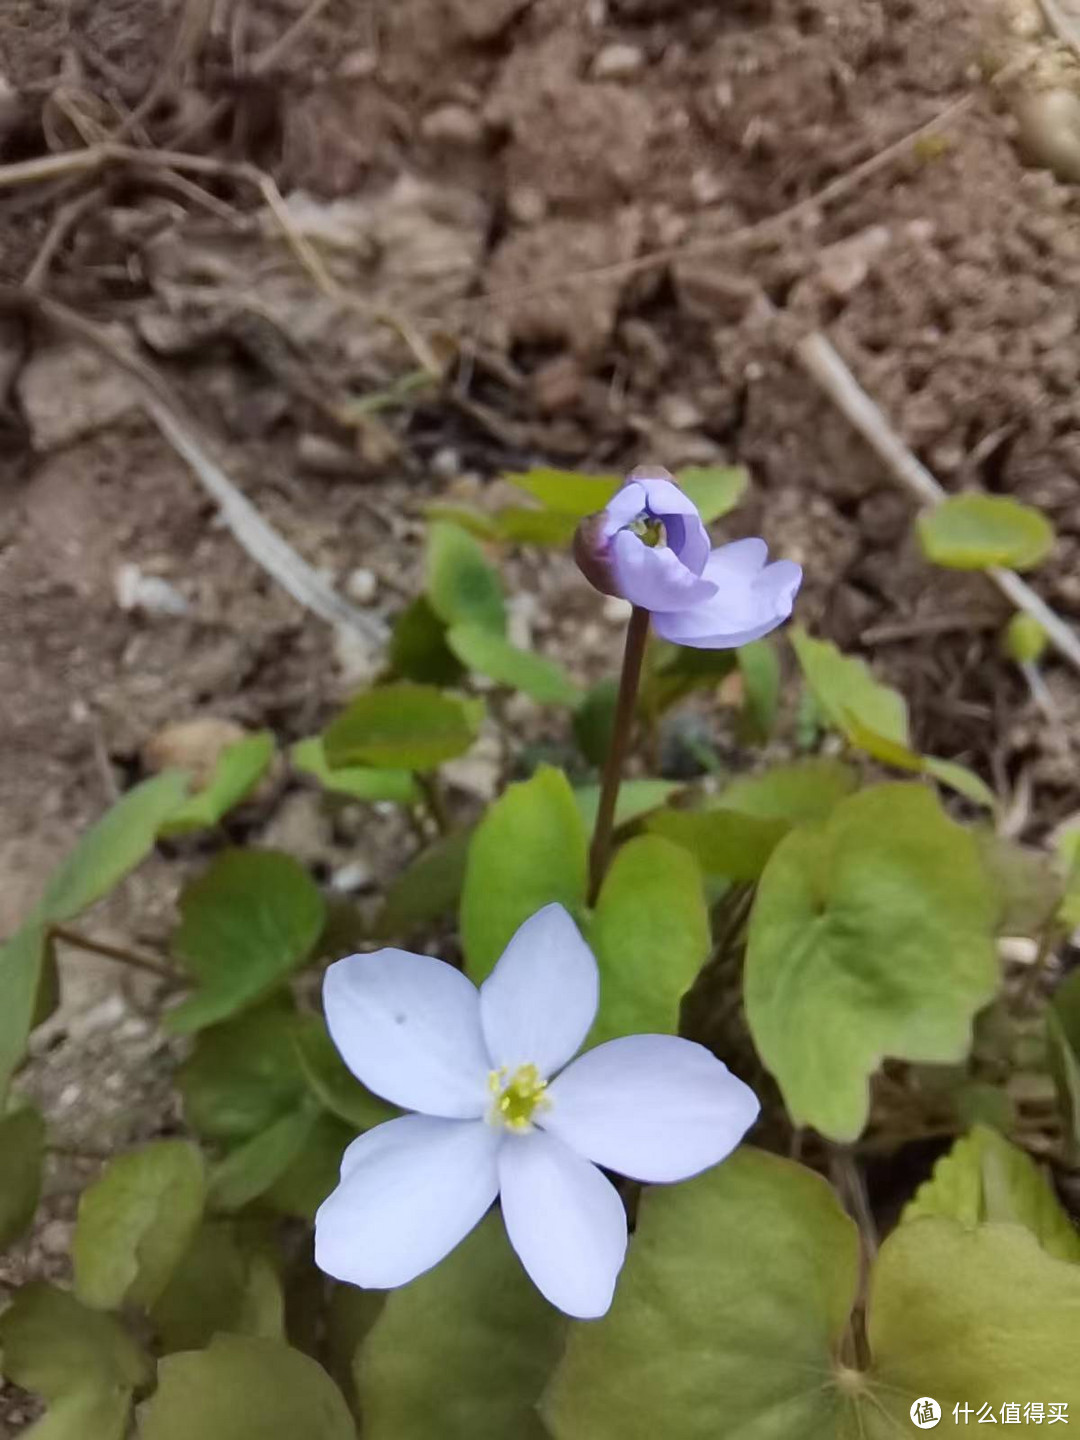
(637, 632)
(116, 952)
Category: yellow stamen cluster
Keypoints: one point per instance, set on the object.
(518, 1097)
(651, 532)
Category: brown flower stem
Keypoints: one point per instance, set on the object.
(637, 632)
(117, 952)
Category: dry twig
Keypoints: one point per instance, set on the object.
(823, 363)
(253, 532)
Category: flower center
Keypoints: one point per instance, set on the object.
(649, 530)
(517, 1098)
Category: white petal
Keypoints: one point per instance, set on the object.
(536, 1006)
(565, 1220)
(408, 1026)
(410, 1191)
(653, 1107)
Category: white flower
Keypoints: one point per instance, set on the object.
(499, 1116)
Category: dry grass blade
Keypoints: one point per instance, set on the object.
(253, 532)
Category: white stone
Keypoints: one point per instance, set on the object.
(618, 62)
(362, 585)
(148, 593)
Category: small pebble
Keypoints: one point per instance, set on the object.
(351, 878)
(149, 593)
(361, 585)
(618, 62)
(452, 125)
(55, 1236)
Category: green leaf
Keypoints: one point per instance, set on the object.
(313, 1171)
(245, 1388)
(959, 778)
(567, 491)
(1023, 882)
(406, 726)
(253, 1167)
(522, 526)
(462, 1353)
(462, 587)
(85, 1415)
(350, 1314)
(59, 1349)
(853, 701)
(1067, 847)
(871, 935)
(594, 720)
(243, 1075)
(427, 889)
(239, 769)
(650, 934)
(636, 798)
(489, 654)
(1024, 640)
(674, 671)
(528, 850)
(973, 532)
(477, 522)
(804, 790)
(225, 1281)
(22, 968)
(119, 841)
(135, 1223)
(22, 1146)
(1063, 1041)
(759, 666)
(728, 843)
(246, 924)
(714, 489)
(727, 1318)
(984, 1178)
(418, 649)
(359, 782)
(331, 1082)
(971, 1317)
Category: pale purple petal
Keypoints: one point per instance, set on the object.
(751, 599)
(410, 1191)
(663, 497)
(623, 508)
(654, 1107)
(565, 1220)
(654, 577)
(689, 539)
(408, 1027)
(538, 1003)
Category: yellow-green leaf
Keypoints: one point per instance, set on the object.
(359, 782)
(239, 769)
(528, 850)
(135, 1223)
(871, 936)
(973, 532)
(403, 726)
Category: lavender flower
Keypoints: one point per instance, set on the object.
(649, 546)
(498, 1115)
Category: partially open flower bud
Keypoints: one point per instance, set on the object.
(649, 546)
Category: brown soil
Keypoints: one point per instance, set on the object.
(454, 161)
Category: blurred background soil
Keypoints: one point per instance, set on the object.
(447, 291)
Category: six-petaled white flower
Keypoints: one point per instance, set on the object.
(499, 1112)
